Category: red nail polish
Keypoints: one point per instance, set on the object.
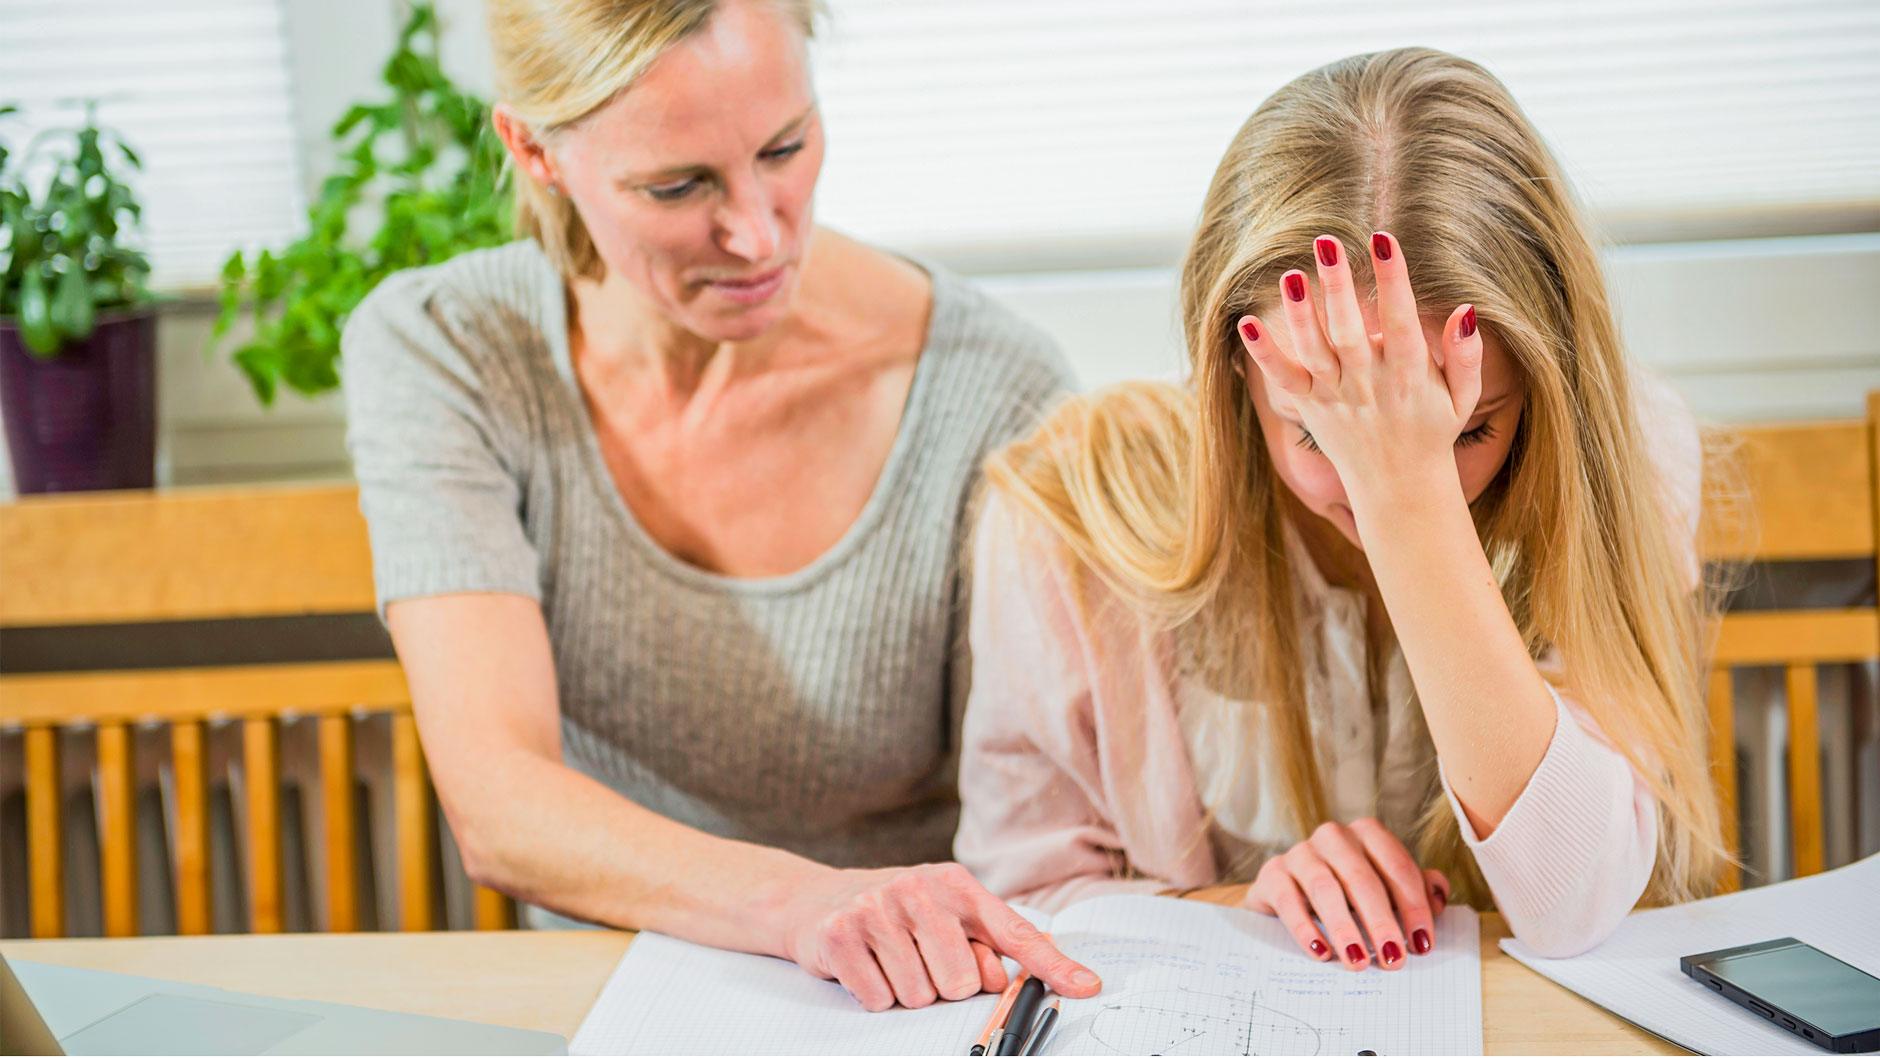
(1353, 953)
(1328, 251)
(1318, 948)
(1420, 942)
(1467, 327)
(1392, 953)
(1295, 286)
(1380, 246)
(1249, 331)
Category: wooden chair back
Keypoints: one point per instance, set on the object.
(145, 558)
(1814, 493)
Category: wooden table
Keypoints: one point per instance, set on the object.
(547, 980)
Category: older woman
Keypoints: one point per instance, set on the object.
(667, 503)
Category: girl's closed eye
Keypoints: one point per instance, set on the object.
(1479, 435)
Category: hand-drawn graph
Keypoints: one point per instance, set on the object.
(1182, 1021)
(1181, 999)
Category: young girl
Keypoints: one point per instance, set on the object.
(1408, 565)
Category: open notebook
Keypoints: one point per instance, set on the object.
(1179, 977)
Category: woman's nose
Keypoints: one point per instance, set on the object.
(747, 225)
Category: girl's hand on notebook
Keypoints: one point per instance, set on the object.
(1347, 875)
(1385, 407)
(916, 934)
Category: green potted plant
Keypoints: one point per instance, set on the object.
(78, 336)
(419, 178)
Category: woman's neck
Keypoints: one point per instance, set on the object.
(616, 336)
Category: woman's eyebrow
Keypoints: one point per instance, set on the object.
(1490, 404)
(794, 123)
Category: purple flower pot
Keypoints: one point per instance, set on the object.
(87, 418)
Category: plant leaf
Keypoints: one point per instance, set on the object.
(42, 338)
(256, 362)
(72, 310)
(354, 115)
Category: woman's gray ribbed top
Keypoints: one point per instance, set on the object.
(816, 711)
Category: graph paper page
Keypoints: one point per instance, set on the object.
(1179, 978)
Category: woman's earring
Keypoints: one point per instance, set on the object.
(554, 190)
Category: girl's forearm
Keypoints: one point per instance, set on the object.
(1488, 709)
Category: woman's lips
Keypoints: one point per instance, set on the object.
(752, 290)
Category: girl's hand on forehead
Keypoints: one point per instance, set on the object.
(1385, 407)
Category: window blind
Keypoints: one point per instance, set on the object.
(199, 88)
(1015, 123)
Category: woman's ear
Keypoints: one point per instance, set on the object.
(528, 152)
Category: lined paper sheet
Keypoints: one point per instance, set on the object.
(1635, 973)
(1179, 978)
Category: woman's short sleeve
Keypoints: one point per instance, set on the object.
(437, 470)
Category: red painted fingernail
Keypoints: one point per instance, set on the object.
(1295, 286)
(1392, 953)
(1380, 246)
(1318, 948)
(1467, 327)
(1249, 331)
(1328, 251)
(1420, 942)
(1353, 953)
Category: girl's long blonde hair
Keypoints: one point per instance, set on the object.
(558, 61)
(1169, 496)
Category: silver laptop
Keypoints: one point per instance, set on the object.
(47, 1009)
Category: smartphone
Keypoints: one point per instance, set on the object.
(1798, 987)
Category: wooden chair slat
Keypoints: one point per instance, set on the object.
(411, 796)
(190, 846)
(200, 554)
(1780, 637)
(1805, 820)
(1722, 701)
(232, 691)
(46, 878)
(261, 782)
(1813, 490)
(493, 910)
(117, 844)
(336, 791)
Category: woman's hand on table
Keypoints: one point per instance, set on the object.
(914, 935)
(1347, 875)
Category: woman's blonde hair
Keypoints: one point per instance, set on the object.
(558, 61)
(1168, 493)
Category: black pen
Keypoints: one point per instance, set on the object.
(1047, 1018)
(1018, 1025)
